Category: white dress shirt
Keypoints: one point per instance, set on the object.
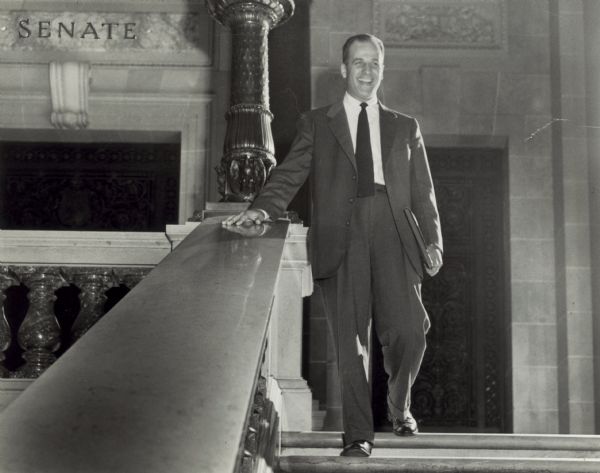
(352, 108)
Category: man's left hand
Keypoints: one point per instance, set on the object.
(436, 259)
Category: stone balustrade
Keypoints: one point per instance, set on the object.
(203, 369)
(44, 331)
(54, 285)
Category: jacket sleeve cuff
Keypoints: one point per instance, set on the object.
(265, 213)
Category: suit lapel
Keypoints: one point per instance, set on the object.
(387, 124)
(338, 123)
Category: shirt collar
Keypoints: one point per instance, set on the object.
(350, 101)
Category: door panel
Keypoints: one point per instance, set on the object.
(461, 385)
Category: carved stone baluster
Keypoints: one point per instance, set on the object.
(248, 151)
(130, 277)
(93, 284)
(39, 334)
(7, 279)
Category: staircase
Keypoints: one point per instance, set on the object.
(318, 452)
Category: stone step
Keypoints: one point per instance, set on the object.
(450, 441)
(407, 452)
(318, 452)
(310, 464)
(318, 416)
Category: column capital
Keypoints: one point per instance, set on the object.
(229, 12)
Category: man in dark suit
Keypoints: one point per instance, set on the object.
(366, 165)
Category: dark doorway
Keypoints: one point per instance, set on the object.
(461, 386)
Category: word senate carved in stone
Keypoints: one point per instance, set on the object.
(57, 31)
(46, 28)
(460, 24)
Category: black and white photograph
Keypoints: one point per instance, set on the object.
(299, 236)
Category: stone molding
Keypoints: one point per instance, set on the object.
(137, 112)
(73, 248)
(449, 24)
(64, 248)
(178, 6)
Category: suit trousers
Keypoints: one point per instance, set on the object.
(377, 282)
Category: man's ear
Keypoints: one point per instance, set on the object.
(343, 70)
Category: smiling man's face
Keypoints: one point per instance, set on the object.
(363, 70)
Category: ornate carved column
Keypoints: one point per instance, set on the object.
(7, 279)
(93, 284)
(39, 334)
(248, 152)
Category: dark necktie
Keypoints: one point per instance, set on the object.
(364, 155)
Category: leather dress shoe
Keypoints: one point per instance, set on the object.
(406, 426)
(358, 448)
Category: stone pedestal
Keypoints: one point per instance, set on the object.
(295, 283)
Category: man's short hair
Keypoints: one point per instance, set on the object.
(362, 38)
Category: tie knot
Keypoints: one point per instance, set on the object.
(364, 105)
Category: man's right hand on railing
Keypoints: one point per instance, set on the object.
(255, 216)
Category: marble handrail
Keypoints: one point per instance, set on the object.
(173, 391)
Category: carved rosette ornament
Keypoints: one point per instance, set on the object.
(39, 334)
(7, 279)
(249, 150)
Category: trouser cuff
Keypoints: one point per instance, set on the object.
(361, 435)
(397, 412)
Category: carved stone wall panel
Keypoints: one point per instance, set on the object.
(105, 37)
(460, 24)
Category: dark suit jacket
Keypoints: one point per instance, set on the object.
(323, 151)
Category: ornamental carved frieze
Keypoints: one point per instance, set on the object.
(461, 24)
